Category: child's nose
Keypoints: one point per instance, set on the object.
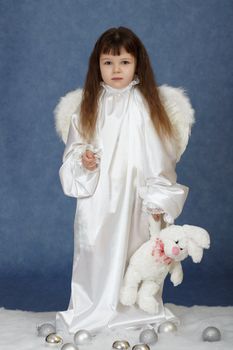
(116, 68)
(175, 250)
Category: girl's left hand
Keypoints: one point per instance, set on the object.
(156, 217)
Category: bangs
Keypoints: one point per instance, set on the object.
(114, 43)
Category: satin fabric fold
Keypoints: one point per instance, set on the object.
(109, 221)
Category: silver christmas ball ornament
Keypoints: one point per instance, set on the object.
(53, 339)
(82, 337)
(167, 327)
(148, 336)
(45, 329)
(211, 334)
(69, 346)
(141, 347)
(121, 345)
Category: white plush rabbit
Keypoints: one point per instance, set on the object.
(157, 257)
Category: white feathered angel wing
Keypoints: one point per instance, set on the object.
(175, 102)
(180, 113)
(63, 111)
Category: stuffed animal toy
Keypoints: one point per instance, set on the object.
(161, 255)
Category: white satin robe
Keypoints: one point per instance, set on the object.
(135, 171)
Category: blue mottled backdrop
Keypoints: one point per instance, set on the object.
(45, 46)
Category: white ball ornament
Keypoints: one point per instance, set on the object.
(167, 327)
(148, 336)
(211, 334)
(121, 345)
(69, 346)
(45, 329)
(53, 339)
(82, 337)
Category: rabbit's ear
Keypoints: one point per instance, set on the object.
(197, 235)
(194, 251)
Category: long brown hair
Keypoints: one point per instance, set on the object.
(112, 41)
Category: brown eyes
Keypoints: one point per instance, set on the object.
(107, 63)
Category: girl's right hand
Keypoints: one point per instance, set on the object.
(88, 160)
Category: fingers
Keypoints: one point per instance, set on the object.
(91, 167)
(88, 160)
(89, 164)
(89, 154)
(156, 217)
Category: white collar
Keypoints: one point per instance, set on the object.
(112, 90)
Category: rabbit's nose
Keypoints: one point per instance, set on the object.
(176, 250)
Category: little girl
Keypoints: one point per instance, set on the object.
(119, 162)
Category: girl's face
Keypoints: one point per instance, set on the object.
(117, 71)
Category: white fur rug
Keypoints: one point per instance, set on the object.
(18, 330)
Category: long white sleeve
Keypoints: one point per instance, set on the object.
(161, 192)
(76, 180)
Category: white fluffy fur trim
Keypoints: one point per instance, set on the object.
(175, 101)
